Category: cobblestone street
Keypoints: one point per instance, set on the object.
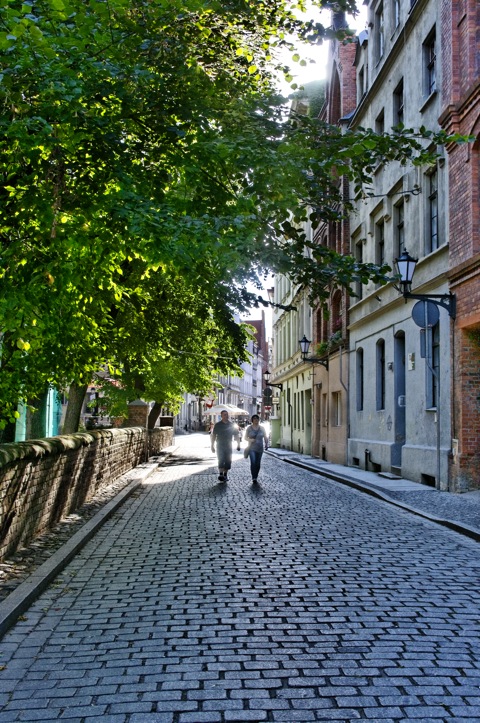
(296, 599)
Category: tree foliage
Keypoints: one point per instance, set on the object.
(147, 176)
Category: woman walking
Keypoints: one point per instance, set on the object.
(257, 441)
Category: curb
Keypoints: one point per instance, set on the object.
(365, 487)
(30, 589)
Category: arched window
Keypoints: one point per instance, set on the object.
(335, 105)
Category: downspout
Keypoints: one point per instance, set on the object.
(347, 392)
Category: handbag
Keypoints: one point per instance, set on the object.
(252, 436)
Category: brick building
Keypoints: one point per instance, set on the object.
(330, 335)
(460, 105)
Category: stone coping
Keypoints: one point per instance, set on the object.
(35, 448)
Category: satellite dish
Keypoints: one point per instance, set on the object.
(425, 313)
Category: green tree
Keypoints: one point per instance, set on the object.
(144, 140)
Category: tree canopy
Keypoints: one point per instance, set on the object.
(147, 177)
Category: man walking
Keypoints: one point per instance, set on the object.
(222, 434)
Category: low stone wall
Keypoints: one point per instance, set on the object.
(43, 480)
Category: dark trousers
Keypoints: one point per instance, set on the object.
(255, 462)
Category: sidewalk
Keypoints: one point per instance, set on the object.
(455, 511)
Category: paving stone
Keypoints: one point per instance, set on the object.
(291, 716)
(209, 717)
(150, 718)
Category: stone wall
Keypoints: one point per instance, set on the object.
(43, 480)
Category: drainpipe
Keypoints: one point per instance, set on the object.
(367, 458)
(347, 421)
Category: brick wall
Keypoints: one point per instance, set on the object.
(460, 23)
(43, 480)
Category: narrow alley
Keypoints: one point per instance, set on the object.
(296, 599)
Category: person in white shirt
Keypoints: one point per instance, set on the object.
(222, 434)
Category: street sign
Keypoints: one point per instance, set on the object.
(425, 313)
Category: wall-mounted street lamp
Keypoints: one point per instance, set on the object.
(406, 268)
(266, 376)
(304, 347)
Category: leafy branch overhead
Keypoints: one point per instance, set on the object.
(148, 176)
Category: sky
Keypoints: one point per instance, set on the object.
(319, 53)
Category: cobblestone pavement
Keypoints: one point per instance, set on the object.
(26, 560)
(297, 599)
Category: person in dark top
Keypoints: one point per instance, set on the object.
(221, 439)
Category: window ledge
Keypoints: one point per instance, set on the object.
(427, 101)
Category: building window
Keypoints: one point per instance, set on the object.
(430, 61)
(433, 237)
(380, 374)
(396, 13)
(336, 409)
(361, 84)
(435, 363)
(398, 105)
(319, 333)
(380, 243)
(399, 211)
(336, 312)
(359, 260)
(380, 123)
(324, 410)
(379, 33)
(433, 366)
(360, 380)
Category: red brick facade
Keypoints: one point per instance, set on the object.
(330, 331)
(461, 114)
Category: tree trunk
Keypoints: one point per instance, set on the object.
(8, 433)
(154, 415)
(76, 395)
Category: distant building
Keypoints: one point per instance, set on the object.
(243, 393)
(263, 356)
